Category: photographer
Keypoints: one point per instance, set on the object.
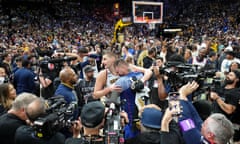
(226, 102)
(158, 92)
(15, 117)
(28, 135)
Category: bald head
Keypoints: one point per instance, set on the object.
(67, 75)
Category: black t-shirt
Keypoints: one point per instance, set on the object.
(26, 135)
(48, 91)
(8, 126)
(229, 96)
(82, 141)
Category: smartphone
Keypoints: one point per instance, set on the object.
(174, 104)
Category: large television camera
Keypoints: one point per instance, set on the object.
(51, 64)
(54, 65)
(58, 115)
(180, 74)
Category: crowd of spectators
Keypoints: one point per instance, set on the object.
(36, 34)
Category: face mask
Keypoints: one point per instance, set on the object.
(3, 80)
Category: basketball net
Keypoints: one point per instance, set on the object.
(151, 24)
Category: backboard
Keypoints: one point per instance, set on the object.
(147, 12)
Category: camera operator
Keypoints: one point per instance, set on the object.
(216, 129)
(92, 120)
(226, 102)
(46, 80)
(15, 117)
(158, 92)
(27, 135)
(84, 58)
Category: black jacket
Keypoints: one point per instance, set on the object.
(146, 138)
(26, 135)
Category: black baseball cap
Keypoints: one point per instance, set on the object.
(88, 68)
(92, 114)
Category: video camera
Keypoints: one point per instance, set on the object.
(180, 74)
(51, 64)
(54, 64)
(58, 115)
(112, 128)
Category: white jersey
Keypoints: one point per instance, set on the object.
(113, 96)
(198, 63)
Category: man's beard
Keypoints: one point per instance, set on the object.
(90, 76)
(228, 81)
(73, 82)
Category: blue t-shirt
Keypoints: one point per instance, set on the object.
(66, 92)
